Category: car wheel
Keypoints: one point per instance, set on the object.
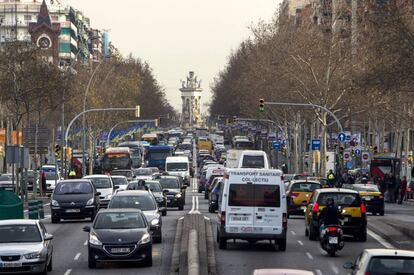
(210, 209)
(164, 213)
(361, 237)
(306, 232)
(218, 236)
(312, 234)
(181, 207)
(206, 195)
(158, 239)
(199, 190)
(222, 243)
(50, 265)
(91, 262)
(382, 213)
(282, 244)
(148, 261)
(55, 220)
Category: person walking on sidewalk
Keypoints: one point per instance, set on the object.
(391, 189)
(403, 189)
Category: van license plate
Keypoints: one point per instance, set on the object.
(10, 265)
(367, 198)
(72, 210)
(239, 219)
(333, 240)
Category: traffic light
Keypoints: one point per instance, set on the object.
(235, 120)
(375, 149)
(57, 150)
(341, 151)
(261, 105)
(68, 152)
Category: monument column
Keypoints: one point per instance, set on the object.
(191, 102)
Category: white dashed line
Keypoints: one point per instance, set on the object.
(379, 239)
(334, 268)
(318, 272)
(85, 243)
(309, 256)
(77, 256)
(300, 242)
(293, 233)
(68, 271)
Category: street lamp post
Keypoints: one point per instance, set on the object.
(84, 117)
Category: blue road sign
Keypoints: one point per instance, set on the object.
(341, 137)
(276, 146)
(316, 144)
(358, 152)
(349, 165)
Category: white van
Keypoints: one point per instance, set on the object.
(254, 159)
(178, 166)
(252, 207)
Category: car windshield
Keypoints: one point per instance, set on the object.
(169, 183)
(143, 202)
(143, 172)
(341, 199)
(253, 162)
(304, 187)
(19, 233)
(65, 188)
(119, 221)
(119, 181)
(254, 195)
(182, 166)
(101, 183)
(390, 265)
(5, 178)
(154, 186)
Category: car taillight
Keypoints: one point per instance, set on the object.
(363, 208)
(381, 196)
(285, 221)
(331, 229)
(223, 218)
(315, 208)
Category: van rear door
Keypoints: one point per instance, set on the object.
(268, 213)
(240, 208)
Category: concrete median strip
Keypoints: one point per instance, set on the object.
(192, 255)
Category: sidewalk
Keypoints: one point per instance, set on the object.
(396, 226)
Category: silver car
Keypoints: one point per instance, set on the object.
(25, 247)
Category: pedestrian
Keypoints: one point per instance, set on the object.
(331, 178)
(43, 181)
(391, 188)
(72, 174)
(403, 189)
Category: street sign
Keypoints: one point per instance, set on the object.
(347, 155)
(341, 137)
(365, 156)
(358, 152)
(316, 144)
(276, 146)
(349, 165)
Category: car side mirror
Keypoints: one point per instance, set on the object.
(116, 187)
(349, 265)
(48, 237)
(87, 228)
(184, 187)
(98, 193)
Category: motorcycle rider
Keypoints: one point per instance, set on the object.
(330, 215)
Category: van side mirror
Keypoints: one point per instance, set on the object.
(48, 237)
(98, 193)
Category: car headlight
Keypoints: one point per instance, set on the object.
(94, 240)
(108, 197)
(146, 238)
(32, 256)
(178, 195)
(90, 201)
(55, 203)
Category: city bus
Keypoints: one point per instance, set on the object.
(116, 158)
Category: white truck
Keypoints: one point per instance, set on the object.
(247, 159)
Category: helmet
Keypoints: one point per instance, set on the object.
(330, 202)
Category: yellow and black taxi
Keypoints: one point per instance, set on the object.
(298, 194)
(371, 196)
(350, 204)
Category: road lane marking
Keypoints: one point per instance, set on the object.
(293, 233)
(334, 268)
(309, 256)
(300, 242)
(197, 206)
(68, 271)
(318, 272)
(379, 239)
(192, 205)
(77, 256)
(85, 243)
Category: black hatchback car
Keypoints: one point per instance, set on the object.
(119, 235)
(74, 199)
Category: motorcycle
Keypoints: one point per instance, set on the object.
(331, 239)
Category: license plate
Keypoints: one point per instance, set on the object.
(333, 240)
(346, 219)
(239, 219)
(72, 210)
(120, 250)
(13, 264)
(367, 198)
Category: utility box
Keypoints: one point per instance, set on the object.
(11, 206)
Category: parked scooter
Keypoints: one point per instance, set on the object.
(331, 239)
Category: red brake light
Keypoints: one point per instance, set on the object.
(315, 208)
(331, 229)
(223, 218)
(381, 196)
(363, 208)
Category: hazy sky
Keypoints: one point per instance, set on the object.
(176, 36)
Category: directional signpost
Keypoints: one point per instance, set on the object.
(341, 137)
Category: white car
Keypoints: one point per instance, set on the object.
(382, 261)
(103, 185)
(52, 178)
